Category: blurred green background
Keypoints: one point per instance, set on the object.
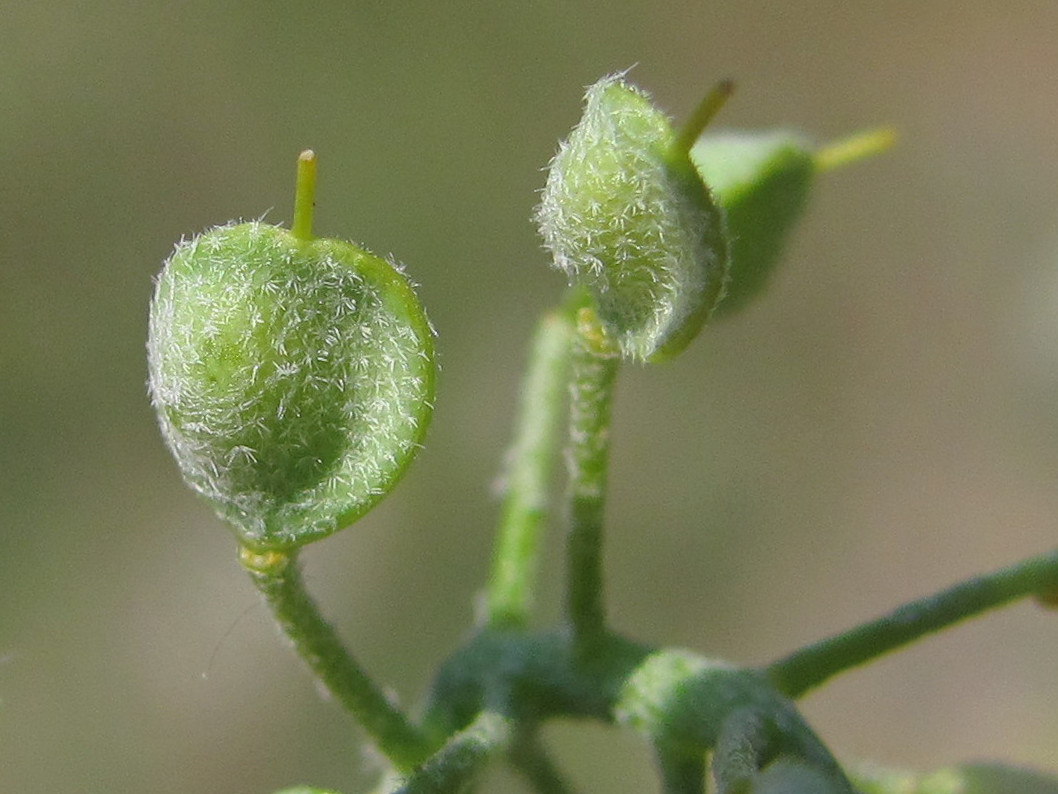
(883, 423)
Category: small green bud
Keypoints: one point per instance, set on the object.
(293, 377)
(626, 216)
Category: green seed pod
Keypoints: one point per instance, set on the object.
(626, 216)
(761, 181)
(293, 377)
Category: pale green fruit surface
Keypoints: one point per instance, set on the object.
(761, 181)
(293, 379)
(626, 216)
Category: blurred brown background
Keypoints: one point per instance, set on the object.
(883, 423)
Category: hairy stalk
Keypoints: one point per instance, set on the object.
(451, 768)
(528, 474)
(277, 577)
(594, 374)
(808, 667)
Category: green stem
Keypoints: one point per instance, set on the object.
(304, 196)
(529, 757)
(741, 749)
(277, 577)
(703, 114)
(451, 768)
(528, 474)
(591, 395)
(681, 773)
(810, 666)
(856, 147)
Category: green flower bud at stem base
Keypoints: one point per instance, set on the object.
(293, 377)
(626, 216)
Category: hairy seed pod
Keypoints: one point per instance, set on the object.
(626, 216)
(293, 378)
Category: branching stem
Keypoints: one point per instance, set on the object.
(453, 766)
